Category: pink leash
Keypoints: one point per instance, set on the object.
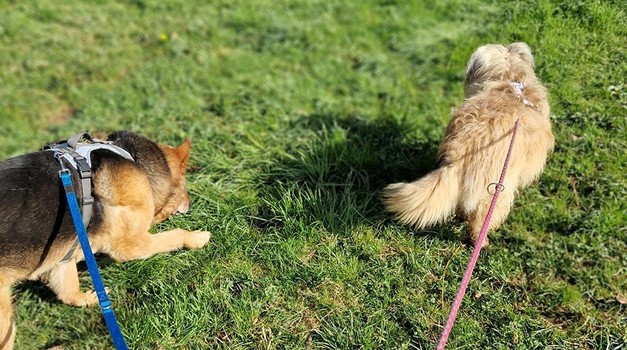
(475, 253)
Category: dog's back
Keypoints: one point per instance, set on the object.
(34, 215)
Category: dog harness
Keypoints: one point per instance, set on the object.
(77, 152)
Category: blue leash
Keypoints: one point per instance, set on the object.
(92, 266)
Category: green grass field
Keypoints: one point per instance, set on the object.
(300, 113)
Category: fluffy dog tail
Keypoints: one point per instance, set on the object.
(426, 201)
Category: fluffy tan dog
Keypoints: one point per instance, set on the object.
(501, 86)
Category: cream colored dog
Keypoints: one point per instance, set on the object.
(501, 86)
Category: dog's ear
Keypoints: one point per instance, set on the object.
(523, 51)
(486, 60)
(182, 153)
(475, 64)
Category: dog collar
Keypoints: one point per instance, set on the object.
(518, 91)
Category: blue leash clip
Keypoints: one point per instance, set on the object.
(90, 260)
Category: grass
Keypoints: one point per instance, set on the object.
(300, 112)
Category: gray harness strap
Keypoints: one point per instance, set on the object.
(84, 172)
(78, 153)
(73, 141)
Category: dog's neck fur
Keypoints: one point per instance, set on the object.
(532, 93)
(151, 159)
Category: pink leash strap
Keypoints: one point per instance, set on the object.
(475, 253)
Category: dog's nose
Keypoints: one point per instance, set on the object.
(183, 207)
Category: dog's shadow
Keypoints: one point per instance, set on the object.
(40, 290)
(336, 181)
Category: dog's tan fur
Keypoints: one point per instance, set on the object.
(130, 204)
(476, 142)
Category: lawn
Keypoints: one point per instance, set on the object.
(300, 113)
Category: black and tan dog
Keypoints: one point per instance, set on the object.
(36, 229)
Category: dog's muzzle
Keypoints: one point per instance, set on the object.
(182, 208)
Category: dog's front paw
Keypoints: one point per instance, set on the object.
(81, 299)
(197, 239)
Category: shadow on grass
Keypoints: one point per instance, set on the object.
(336, 181)
(38, 289)
(42, 291)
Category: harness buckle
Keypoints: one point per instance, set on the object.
(88, 200)
(83, 167)
(85, 174)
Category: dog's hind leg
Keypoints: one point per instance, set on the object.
(499, 214)
(64, 282)
(7, 324)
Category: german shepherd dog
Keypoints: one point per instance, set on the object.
(36, 229)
